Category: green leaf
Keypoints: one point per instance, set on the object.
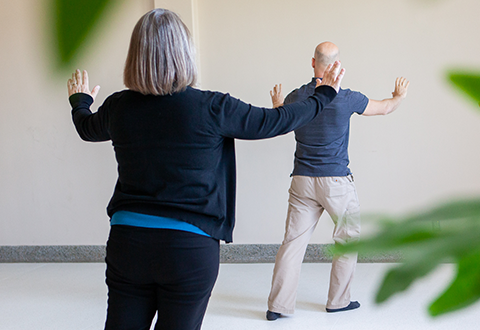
(401, 277)
(425, 256)
(465, 288)
(467, 82)
(74, 23)
(424, 245)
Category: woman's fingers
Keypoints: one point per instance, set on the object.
(78, 77)
(340, 77)
(95, 91)
(333, 75)
(335, 69)
(79, 84)
(85, 79)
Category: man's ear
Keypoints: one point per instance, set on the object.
(313, 62)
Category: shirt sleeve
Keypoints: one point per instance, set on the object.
(358, 102)
(236, 119)
(291, 97)
(90, 126)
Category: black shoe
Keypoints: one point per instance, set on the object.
(352, 305)
(272, 316)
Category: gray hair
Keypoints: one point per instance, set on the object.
(161, 56)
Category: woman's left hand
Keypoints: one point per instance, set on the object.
(79, 84)
(332, 76)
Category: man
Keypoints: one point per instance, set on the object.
(321, 180)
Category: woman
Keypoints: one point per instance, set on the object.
(175, 195)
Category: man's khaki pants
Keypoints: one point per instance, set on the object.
(309, 196)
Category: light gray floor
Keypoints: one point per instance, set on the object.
(73, 296)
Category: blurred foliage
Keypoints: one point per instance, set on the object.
(74, 23)
(467, 82)
(448, 233)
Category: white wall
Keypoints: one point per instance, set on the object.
(54, 187)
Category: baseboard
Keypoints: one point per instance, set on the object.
(229, 253)
(52, 253)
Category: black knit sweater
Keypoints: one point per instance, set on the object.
(175, 153)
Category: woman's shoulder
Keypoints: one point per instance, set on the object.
(208, 97)
(202, 93)
(118, 95)
(125, 93)
(126, 96)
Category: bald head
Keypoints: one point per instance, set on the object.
(325, 54)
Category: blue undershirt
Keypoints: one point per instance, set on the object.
(134, 219)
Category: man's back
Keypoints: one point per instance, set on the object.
(322, 145)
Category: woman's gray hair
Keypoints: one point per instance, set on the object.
(161, 57)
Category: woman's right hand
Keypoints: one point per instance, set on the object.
(332, 76)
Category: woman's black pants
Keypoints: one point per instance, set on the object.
(169, 272)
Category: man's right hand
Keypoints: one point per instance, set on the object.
(277, 96)
(401, 87)
(386, 106)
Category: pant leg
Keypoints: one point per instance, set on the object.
(131, 291)
(341, 202)
(302, 218)
(153, 270)
(186, 282)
